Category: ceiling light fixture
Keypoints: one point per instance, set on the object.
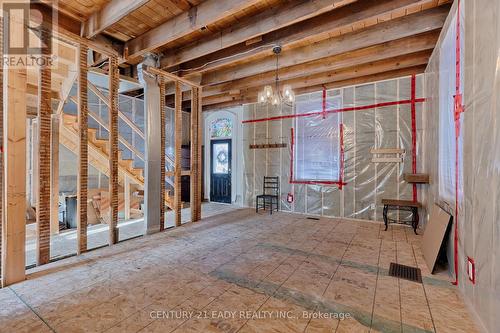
(274, 96)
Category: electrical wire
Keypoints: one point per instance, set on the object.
(225, 58)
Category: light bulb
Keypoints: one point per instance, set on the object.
(262, 97)
(287, 90)
(268, 90)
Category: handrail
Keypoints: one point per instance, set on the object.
(121, 139)
(103, 98)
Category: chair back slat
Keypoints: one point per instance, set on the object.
(271, 184)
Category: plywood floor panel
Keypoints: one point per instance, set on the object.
(228, 272)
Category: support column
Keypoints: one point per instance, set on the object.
(114, 82)
(1, 152)
(152, 156)
(14, 152)
(162, 156)
(195, 154)
(126, 197)
(82, 177)
(54, 176)
(178, 152)
(43, 158)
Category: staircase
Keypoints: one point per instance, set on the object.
(98, 152)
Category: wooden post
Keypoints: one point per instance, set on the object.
(195, 154)
(126, 197)
(43, 158)
(114, 82)
(178, 152)
(82, 177)
(162, 153)
(1, 152)
(54, 176)
(14, 151)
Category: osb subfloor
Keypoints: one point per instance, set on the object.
(240, 272)
(65, 243)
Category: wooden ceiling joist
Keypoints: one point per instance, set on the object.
(378, 52)
(196, 18)
(250, 95)
(287, 34)
(422, 22)
(284, 15)
(110, 14)
(330, 85)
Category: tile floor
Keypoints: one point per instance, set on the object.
(240, 272)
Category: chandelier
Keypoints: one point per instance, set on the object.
(274, 96)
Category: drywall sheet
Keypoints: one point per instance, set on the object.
(476, 203)
(365, 183)
(434, 234)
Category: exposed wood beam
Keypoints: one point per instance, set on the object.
(114, 83)
(206, 13)
(332, 85)
(83, 168)
(178, 152)
(378, 52)
(288, 13)
(384, 32)
(68, 28)
(163, 117)
(14, 150)
(416, 59)
(43, 206)
(196, 141)
(109, 14)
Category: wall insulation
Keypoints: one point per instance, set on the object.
(375, 115)
(476, 170)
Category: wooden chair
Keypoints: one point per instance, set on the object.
(270, 195)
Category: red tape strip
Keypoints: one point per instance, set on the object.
(354, 108)
(458, 109)
(414, 133)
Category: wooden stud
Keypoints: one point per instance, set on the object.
(54, 176)
(114, 82)
(82, 177)
(195, 155)
(44, 161)
(178, 152)
(162, 156)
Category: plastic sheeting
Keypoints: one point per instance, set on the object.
(384, 126)
(478, 194)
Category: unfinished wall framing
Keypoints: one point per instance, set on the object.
(376, 115)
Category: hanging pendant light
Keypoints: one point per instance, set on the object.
(276, 97)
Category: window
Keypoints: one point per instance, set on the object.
(221, 128)
(317, 138)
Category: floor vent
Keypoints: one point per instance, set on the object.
(313, 218)
(405, 272)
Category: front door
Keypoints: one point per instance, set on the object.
(220, 169)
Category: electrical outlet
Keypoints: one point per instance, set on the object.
(372, 206)
(471, 270)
